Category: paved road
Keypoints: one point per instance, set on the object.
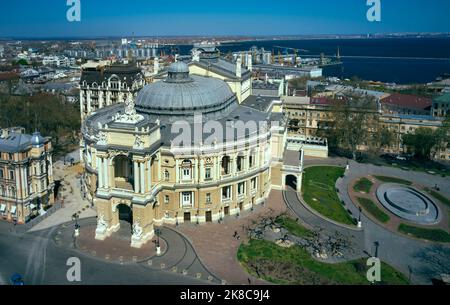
(356, 237)
(40, 261)
(424, 259)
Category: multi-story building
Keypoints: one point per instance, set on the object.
(306, 116)
(154, 160)
(441, 106)
(26, 176)
(103, 84)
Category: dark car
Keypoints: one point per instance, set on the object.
(17, 280)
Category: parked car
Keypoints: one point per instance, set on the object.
(17, 280)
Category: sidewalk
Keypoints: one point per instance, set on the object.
(71, 193)
(217, 248)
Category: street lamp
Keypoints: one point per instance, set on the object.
(77, 226)
(359, 217)
(158, 247)
(377, 244)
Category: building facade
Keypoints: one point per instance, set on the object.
(306, 116)
(142, 167)
(103, 84)
(26, 176)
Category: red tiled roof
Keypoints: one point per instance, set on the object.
(8, 75)
(408, 101)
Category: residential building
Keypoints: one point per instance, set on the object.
(26, 175)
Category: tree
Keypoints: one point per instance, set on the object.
(383, 138)
(353, 123)
(443, 135)
(421, 142)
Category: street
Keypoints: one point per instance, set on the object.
(40, 262)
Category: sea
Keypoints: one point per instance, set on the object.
(391, 60)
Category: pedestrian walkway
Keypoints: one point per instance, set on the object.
(70, 197)
(217, 246)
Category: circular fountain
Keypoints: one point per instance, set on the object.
(408, 203)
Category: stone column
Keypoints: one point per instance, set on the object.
(177, 171)
(88, 98)
(99, 172)
(136, 175)
(106, 172)
(142, 178)
(100, 99)
(149, 173)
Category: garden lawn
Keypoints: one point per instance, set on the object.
(363, 185)
(393, 180)
(428, 234)
(319, 192)
(373, 209)
(295, 265)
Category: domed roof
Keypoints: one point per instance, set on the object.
(178, 67)
(37, 139)
(181, 94)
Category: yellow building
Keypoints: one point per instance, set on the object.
(26, 176)
(184, 151)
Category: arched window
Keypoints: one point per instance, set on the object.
(166, 175)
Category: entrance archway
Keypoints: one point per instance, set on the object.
(125, 213)
(291, 182)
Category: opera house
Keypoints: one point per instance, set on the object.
(183, 150)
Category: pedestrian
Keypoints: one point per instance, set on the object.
(235, 234)
(249, 281)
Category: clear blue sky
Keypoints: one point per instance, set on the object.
(47, 18)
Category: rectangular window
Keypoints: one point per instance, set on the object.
(1, 174)
(226, 192)
(253, 184)
(11, 175)
(208, 197)
(186, 173)
(186, 196)
(241, 188)
(208, 173)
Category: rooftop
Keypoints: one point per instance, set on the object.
(407, 101)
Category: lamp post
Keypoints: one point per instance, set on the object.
(77, 226)
(359, 217)
(377, 244)
(158, 247)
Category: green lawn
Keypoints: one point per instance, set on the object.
(429, 234)
(393, 180)
(318, 191)
(373, 209)
(292, 226)
(363, 185)
(438, 196)
(295, 266)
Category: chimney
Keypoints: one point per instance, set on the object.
(239, 67)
